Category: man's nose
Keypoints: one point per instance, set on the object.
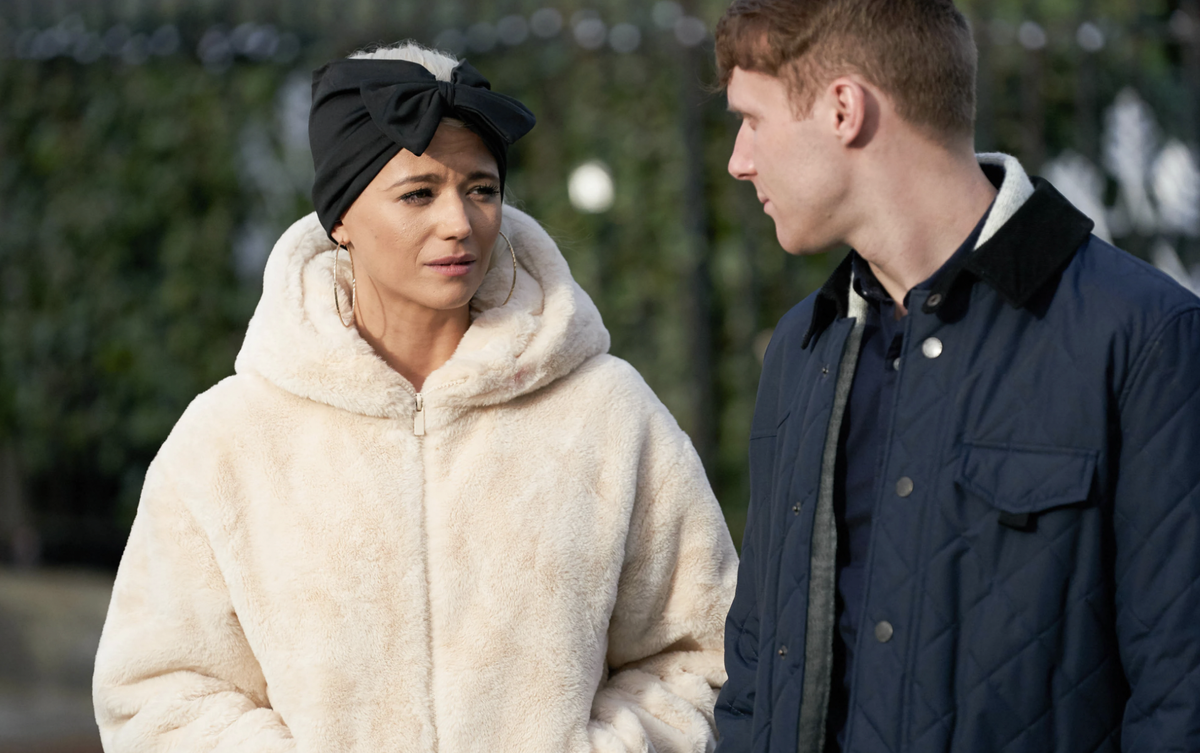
(741, 165)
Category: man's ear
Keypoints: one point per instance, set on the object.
(851, 108)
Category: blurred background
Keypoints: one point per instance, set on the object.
(151, 151)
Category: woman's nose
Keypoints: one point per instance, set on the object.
(453, 222)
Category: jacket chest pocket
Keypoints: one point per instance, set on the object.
(763, 462)
(1024, 573)
(1027, 522)
(1022, 482)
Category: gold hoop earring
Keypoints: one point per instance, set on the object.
(514, 259)
(353, 286)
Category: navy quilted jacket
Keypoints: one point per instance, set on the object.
(1034, 573)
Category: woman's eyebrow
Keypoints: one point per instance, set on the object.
(425, 178)
(483, 175)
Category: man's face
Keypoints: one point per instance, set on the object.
(797, 166)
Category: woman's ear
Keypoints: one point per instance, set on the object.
(340, 236)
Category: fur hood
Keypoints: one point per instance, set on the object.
(295, 341)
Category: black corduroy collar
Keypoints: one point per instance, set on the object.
(1023, 256)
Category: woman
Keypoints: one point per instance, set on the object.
(429, 512)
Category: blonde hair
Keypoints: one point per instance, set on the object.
(436, 62)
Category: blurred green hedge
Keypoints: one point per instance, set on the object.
(138, 197)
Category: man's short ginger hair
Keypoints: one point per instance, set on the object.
(919, 52)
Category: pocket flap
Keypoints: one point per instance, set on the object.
(1022, 479)
(758, 432)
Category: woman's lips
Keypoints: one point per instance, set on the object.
(453, 266)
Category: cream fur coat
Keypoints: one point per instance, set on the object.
(544, 570)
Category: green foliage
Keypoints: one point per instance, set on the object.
(125, 190)
(120, 196)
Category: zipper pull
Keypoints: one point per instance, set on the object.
(419, 416)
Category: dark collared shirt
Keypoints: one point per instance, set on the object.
(856, 475)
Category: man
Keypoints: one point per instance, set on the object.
(974, 521)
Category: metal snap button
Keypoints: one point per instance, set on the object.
(883, 631)
(904, 486)
(934, 301)
(932, 347)
(782, 651)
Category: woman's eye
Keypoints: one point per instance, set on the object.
(417, 196)
(486, 191)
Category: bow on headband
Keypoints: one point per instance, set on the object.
(365, 111)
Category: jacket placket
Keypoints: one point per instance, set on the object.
(906, 492)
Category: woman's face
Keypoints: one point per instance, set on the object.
(421, 233)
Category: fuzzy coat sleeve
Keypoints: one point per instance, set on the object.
(174, 671)
(665, 638)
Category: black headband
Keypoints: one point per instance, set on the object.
(365, 111)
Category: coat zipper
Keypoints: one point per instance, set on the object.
(419, 406)
(419, 416)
